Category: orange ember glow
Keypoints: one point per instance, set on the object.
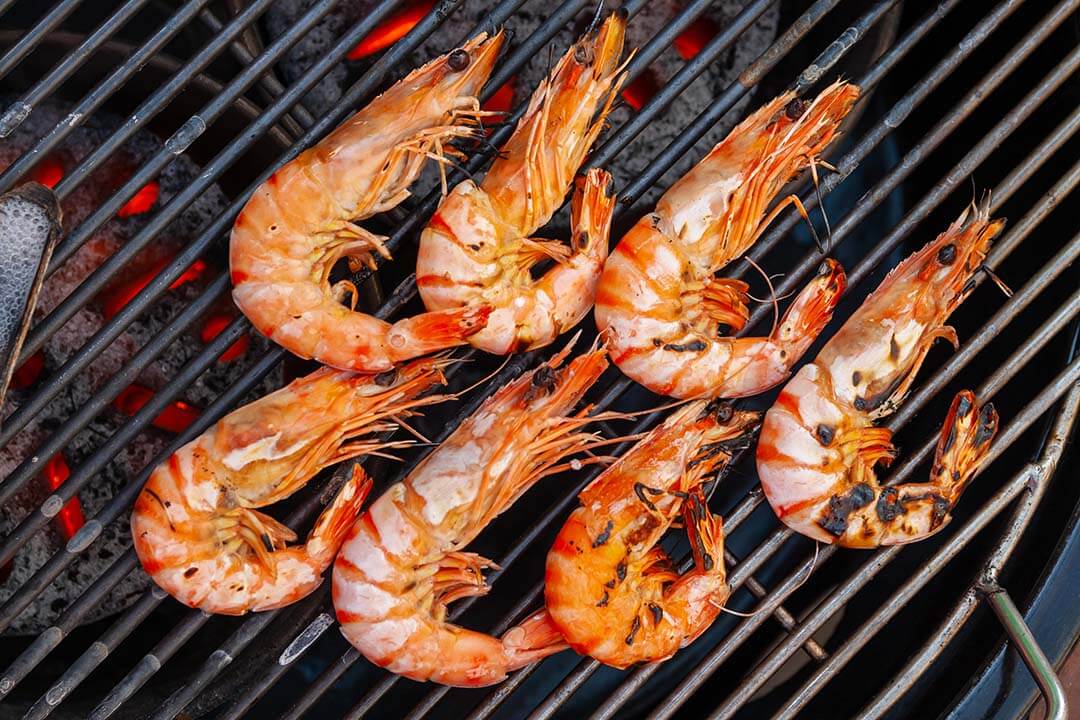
(641, 90)
(48, 172)
(70, 518)
(113, 301)
(503, 98)
(694, 38)
(213, 327)
(28, 373)
(175, 418)
(141, 201)
(392, 29)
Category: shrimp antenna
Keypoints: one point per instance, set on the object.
(772, 292)
(484, 379)
(596, 18)
(802, 581)
(1005, 289)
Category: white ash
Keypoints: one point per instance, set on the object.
(127, 465)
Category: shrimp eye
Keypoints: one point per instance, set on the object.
(947, 254)
(387, 378)
(583, 55)
(795, 109)
(722, 409)
(458, 60)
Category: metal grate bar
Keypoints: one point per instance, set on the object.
(14, 116)
(29, 41)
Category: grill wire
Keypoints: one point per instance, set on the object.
(304, 625)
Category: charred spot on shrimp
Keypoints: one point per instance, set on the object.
(458, 60)
(603, 601)
(947, 254)
(835, 519)
(544, 380)
(889, 506)
(987, 425)
(796, 109)
(657, 613)
(604, 536)
(190, 572)
(620, 570)
(856, 377)
(825, 434)
(692, 346)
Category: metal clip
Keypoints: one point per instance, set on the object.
(1038, 665)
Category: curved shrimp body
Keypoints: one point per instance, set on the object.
(302, 220)
(609, 589)
(195, 526)
(403, 563)
(477, 252)
(670, 317)
(818, 444)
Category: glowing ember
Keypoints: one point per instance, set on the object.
(113, 301)
(48, 172)
(214, 326)
(175, 418)
(641, 90)
(141, 201)
(503, 98)
(28, 373)
(691, 40)
(392, 29)
(70, 518)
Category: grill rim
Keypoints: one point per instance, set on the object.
(239, 326)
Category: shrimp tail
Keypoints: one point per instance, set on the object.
(337, 519)
(438, 330)
(965, 440)
(812, 310)
(532, 640)
(591, 211)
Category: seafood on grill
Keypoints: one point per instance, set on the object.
(609, 589)
(477, 251)
(669, 317)
(195, 524)
(300, 222)
(818, 444)
(404, 560)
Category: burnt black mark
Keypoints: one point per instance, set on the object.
(544, 380)
(190, 572)
(603, 537)
(889, 507)
(856, 377)
(795, 109)
(860, 404)
(655, 220)
(603, 601)
(657, 613)
(939, 512)
(458, 60)
(634, 627)
(475, 247)
(950, 438)
(825, 434)
(692, 346)
(657, 342)
(157, 497)
(706, 562)
(385, 379)
(610, 584)
(874, 401)
(987, 424)
(947, 254)
(894, 349)
(968, 287)
(620, 570)
(723, 330)
(835, 519)
(963, 406)
(640, 489)
(267, 543)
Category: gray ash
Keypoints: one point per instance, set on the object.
(126, 466)
(643, 26)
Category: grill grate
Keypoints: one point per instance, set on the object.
(771, 565)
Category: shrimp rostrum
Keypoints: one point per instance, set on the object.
(300, 222)
(477, 251)
(404, 560)
(671, 318)
(610, 590)
(195, 524)
(818, 444)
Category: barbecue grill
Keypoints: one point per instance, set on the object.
(957, 93)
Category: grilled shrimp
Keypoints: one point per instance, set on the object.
(669, 315)
(611, 592)
(818, 445)
(195, 526)
(403, 562)
(477, 251)
(302, 220)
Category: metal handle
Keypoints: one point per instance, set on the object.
(1012, 619)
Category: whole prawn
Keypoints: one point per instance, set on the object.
(302, 220)
(609, 589)
(195, 526)
(477, 252)
(403, 562)
(818, 444)
(669, 316)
